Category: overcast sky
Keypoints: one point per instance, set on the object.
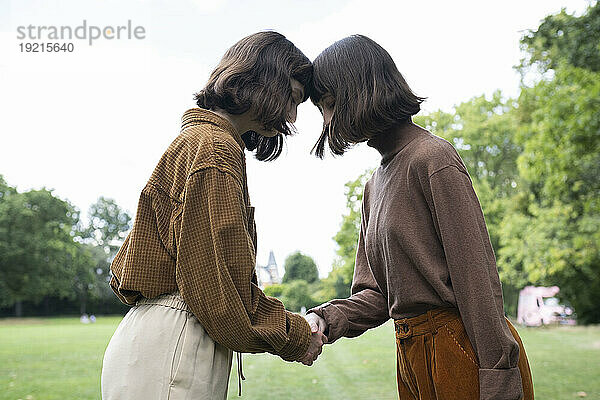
(94, 122)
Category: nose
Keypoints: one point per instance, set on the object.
(292, 114)
(327, 115)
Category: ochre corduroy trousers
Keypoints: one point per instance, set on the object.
(437, 341)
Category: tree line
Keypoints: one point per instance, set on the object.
(50, 261)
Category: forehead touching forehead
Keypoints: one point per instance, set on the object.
(319, 89)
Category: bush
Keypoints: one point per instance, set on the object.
(275, 290)
(300, 267)
(296, 294)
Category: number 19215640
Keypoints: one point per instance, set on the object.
(46, 47)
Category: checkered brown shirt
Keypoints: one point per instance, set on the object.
(194, 231)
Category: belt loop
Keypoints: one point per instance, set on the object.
(431, 322)
(403, 329)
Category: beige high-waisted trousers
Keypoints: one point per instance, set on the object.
(160, 351)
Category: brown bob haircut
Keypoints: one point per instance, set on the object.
(255, 73)
(371, 96)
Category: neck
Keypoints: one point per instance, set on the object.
(240, 122)
(390, 142)
(244, 122)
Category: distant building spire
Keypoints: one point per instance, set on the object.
(271, 259)
(273, 270)
(268, 274)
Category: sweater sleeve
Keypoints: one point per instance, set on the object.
(474, 277)
(366, 308)
(215, 267)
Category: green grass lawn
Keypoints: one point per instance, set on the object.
(60, 358)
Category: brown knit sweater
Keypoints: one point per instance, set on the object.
(194, 231)
(423, 244)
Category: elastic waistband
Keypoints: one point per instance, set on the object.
(173, 300)
(428, 322)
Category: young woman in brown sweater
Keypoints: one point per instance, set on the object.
(424, 256)
(188, 265)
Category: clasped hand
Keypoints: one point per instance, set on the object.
(317, 339)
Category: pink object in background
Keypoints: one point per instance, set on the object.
(538, 306)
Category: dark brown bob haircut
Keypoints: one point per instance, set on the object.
(371, 96)
(255, 74)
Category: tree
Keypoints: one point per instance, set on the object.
(338, 282)
(107, 228)
(552, 235)
(296, 294)
(300, 267)
(5, 191)
(36, 246)
(108, 225)
(564, 39)
(44, 254)
(85, 280)
(275, 290)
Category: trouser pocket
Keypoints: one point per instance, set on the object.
(200, 366)
(455, 369)
(178, 353)
(457, 336)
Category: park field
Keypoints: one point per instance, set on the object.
(60, 358)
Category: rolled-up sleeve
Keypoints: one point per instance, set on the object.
(474, 276)
(366, 308)
(215, 269)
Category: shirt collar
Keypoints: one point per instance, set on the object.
(195, 116)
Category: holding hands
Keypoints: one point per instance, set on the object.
(318, 339)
